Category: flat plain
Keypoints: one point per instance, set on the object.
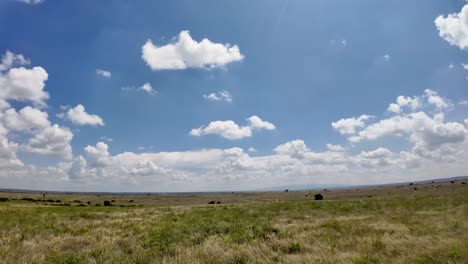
(420, 223)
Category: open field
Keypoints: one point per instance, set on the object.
(428, 224)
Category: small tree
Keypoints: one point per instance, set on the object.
(107, 203)
(318, 197)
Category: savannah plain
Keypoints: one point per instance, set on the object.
(420, 223)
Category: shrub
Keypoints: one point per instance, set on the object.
(131, 201)
(318, 197)
(107, 203)
(76, 201)
(4, 199)
(212, 202)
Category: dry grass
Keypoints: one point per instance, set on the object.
(424, 226)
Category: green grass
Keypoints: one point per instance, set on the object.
(423, 228)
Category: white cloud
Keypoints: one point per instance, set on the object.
(188, 53)
(252, 149)
(454, 28)
(77, 168)
(26, 119)
(465, 66)
(31, 2)
(10, 59)
(421, 129)
(336, 148)
(219, 96)
(434, 99)
(412, 102)
(79, 116)
(103, 73)
(147, 88)
(226, 129)
(348, 126)
(51, 141)
(25, 85)
(386, 57)
(256, 122)
(230, 130)
(296, 149)
(98, 156)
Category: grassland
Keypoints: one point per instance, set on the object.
(428, 224)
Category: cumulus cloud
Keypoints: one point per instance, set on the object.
(79, 116)
(421, 129)
(25, 85)
(256, 122)
(454, 28)
(103, 73)
(52, 141)
(147, 88)
(295, 148)
(219, 96)
(10, 59)
(404, 101)
(336, 148)
(251, 149)
(434, 99)
(227, 129)
(188, 53)
(230, 130)
(98, 156)
(26, 119)
(347, 126)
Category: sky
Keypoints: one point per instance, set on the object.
(177, 96)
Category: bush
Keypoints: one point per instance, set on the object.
(212, 202)
(4, 199)
(107, 203)
(58, 201)
(76, 201)
(318, 196)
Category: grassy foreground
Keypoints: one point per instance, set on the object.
(422, 227)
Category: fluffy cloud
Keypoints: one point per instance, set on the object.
(188, 53)
(79, 116)
(404, 101)
(25, 85)
(336, 148)
(98, 156)
(256, 122)
(434, 99)
(147, 88)
(103, 73)
(454, 28)
(295, 149)
(219, 96)
(230, 130)
(26, 119)
(348, 126)
(52, 141)
(421, 129)
(10, 59)
(226, 129)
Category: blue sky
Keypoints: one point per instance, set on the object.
(172, 115)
